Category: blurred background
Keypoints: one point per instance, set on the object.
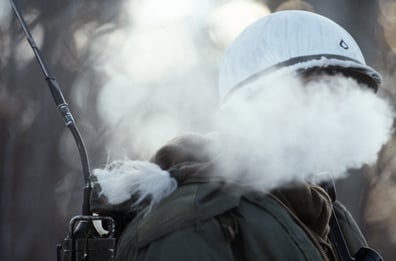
(121, 64)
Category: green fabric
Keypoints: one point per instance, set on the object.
(184, 227)
(290, 224)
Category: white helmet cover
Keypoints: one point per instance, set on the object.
(291, 41)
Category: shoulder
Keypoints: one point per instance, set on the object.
(189, 204)
(179, 220)
(186, 223)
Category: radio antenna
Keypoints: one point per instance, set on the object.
(63, 107)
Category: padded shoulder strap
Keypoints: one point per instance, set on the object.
(230, 226)
(337, 236)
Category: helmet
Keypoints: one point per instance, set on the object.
(292, 41)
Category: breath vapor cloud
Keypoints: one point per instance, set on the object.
(281, 130)
(158, 70)
(154, 79)
(157, 87)
(272, 133)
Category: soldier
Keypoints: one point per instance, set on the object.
(183, 209)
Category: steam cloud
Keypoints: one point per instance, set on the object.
(286, 131)
(157, 72)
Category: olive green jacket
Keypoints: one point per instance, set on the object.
(205, 220)
(185, 227)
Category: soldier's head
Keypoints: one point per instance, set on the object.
(293, 42)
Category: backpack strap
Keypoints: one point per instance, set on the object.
(230, 226)
(337, 237)
(323, 250)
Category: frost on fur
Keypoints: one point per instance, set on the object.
(140, 185)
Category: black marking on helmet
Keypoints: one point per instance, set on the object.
(344, 45)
